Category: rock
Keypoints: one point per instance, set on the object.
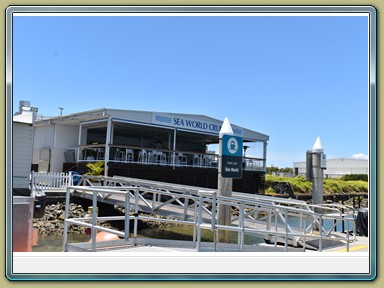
(52, 223)
(283, 188)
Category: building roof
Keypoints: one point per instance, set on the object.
(194, 123)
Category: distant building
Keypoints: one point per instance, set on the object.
(337, 167)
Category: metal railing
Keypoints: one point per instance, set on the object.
(285, 221)
(151, 156)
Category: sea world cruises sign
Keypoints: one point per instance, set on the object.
(197, 125)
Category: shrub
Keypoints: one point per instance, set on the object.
(337, 186)
(331, 186)
(95, 169)
(355, 177)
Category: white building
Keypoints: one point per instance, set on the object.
(22, 138)
(337, 167)
(159, 146)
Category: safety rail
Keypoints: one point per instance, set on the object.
(163, 157)
(199, 209)
(157, 189)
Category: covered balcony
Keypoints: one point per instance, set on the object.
(147, 145)
(169, 147)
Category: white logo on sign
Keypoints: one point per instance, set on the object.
(232, 145)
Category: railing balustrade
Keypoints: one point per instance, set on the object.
(149, 156)
(285, 221)
(50, 181)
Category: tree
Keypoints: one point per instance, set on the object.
(272, 169)
(286, 170)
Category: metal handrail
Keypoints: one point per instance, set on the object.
(132, 198)
(194, 158)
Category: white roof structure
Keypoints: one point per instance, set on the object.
(193, 123)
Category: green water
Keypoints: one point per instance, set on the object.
(186, 233)
(55, 243)
(179, 232)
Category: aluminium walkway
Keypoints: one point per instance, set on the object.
(292, 223)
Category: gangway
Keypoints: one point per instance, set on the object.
(280, 222)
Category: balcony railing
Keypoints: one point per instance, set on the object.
(148, 156)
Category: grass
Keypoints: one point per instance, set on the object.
(331, 186)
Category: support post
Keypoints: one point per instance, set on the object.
(317, 180)
(316, 162)
(107, 146)
(224, 188)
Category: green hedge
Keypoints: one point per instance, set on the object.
(355, 177)
(331, 186)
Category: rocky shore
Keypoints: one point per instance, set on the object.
(52, 223)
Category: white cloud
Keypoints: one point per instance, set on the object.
(360, 156)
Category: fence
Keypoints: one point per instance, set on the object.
(52, 181)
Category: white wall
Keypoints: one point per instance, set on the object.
(58, 138)
(339, 166)
(21, 154)
(65, 137)
(43, 140)
(342, 166)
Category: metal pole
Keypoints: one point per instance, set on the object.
(199, 220)
(94, 215)
(136, 214)
(213, 228)
(224, 188)
(265, 145)
(317, 184)
(241, 223)
(321, 234)
(286, 229)
(194, 219)
(174, 148)
(186, 201)
(127, 207)
(107, 145)
(65, 238)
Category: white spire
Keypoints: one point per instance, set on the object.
(226, 128)
(317, 147)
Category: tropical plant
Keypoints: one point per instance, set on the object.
(95, 169)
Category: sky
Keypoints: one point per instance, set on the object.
(294, 78)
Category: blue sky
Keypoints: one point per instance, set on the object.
(292, 78)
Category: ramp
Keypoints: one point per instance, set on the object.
(325, 244)
(287, 221)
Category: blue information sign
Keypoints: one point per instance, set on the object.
(232, 156)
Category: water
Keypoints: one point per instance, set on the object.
(173, 232)
(54, 243)
(185, 232)
(179, 232)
